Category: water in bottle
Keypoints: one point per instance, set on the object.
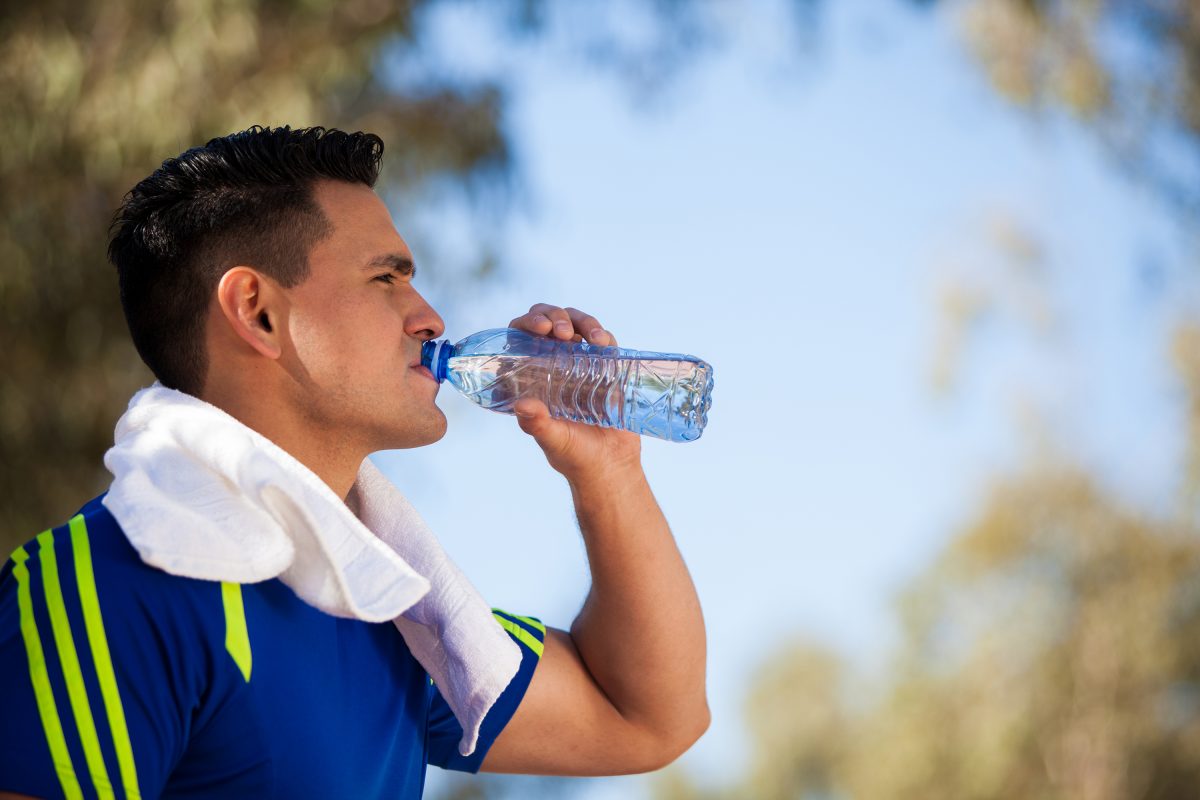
(665, 395)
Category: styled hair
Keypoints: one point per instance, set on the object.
(242, 199)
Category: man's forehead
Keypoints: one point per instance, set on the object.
(360, 220)
(350, 202)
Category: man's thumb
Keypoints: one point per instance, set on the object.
(533, 417)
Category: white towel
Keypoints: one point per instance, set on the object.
(201, 495)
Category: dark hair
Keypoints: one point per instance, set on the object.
(247, 199)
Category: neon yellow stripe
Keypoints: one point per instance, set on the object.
(237, 638)
(536, 623)
(523, 636)
(94, 623)
(40, 678)
(533, 623)
(69, 659)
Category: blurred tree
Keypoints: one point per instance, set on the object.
(1052, 651)
(1130, 71)
(1186, 357)
(797, 754)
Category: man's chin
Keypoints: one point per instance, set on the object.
(434, 436)
(427, 434)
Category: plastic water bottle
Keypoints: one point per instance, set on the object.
(664, 395)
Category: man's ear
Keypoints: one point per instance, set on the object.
(251, 304)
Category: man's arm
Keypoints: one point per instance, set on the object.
(624, 690)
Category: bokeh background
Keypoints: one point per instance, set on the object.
(942, 256)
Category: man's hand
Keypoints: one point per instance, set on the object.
(576, 450)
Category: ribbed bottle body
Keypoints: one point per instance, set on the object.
(665, 395)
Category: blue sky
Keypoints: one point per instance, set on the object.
(795, 222)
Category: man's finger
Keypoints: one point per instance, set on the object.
(563, 329)
(564, 323)
(589, 327)
(534, 322)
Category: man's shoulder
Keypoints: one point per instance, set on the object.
(90, 548)
(131, 651)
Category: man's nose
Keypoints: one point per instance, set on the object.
(422, 321)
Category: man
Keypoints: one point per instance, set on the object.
(267, 289)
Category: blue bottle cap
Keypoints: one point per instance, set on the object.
(435, 356)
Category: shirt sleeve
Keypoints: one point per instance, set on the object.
(443, 731)
(91, 700)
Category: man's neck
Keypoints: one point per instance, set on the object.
(334, 461)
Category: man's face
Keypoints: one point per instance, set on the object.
(356, 326)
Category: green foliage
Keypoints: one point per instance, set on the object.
(808, 745)
(1051, 652)
(1129, 71)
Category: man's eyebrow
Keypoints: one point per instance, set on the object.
(395, 261)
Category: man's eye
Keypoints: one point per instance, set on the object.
(387, 277)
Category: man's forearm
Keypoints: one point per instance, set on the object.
(641, 632)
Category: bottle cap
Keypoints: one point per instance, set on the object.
(435, 355)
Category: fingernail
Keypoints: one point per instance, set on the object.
(597, 333)
(566, 326)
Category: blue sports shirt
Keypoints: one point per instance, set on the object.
(123, 681)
